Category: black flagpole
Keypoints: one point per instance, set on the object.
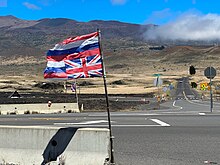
(112, 162)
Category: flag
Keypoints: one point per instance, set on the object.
(73, 87)
(77, 57)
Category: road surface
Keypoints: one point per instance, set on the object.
(186, 133)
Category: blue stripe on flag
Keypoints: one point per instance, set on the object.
(55, 70)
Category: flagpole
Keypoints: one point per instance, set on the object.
(107, 103)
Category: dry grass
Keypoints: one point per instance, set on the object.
(134, 84)
(135, 70)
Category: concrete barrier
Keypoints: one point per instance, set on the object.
(41, 145)
(38, 108)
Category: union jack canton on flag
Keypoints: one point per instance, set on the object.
(77, 57)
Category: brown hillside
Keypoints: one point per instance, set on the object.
(126, 55)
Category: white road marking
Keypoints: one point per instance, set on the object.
(115, 125)
(176, 105)
(184, 94)
(202, 114)
(161, 123)
(124, 114)
(84, 123)
(95, 124)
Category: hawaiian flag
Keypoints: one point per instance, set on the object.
(73, 87)
(77, 57)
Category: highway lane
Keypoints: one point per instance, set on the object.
(175, 145)
(146, 137)
(184, 90)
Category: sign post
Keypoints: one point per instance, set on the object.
(158, 82)
(210, 73)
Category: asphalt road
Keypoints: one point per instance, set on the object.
(186, 133)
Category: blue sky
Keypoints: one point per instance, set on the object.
(131, 11)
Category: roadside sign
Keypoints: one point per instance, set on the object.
(194, 84)
(158, 82)
(203, 86)
(157, 74)
(171, 87)
(210, 72)
(192, 70)
(165, 89)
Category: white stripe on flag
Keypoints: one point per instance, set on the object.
(55, 64)
(89, 41)
(80, 43)
(67, 46)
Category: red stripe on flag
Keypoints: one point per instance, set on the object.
(83, 37)
(55, 75)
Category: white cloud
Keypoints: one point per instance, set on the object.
(118, 2)
(188, 26)
(3, 3)
(31, 6)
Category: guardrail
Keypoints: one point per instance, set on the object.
(38, 108)
(40, 145)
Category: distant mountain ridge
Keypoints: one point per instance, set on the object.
(23, 46)
(12, 22)
(64, 25)
(39, 35)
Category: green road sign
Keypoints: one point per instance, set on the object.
(157, 75)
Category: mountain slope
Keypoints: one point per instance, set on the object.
(23, 45)
(43, 34)
(12, 22)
